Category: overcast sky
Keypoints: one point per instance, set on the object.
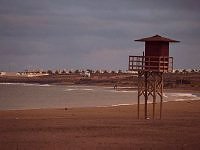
(94, 34)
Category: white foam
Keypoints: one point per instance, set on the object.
(5, 83)
(124, 91)
(45, 85)
(25, 84)
(80, 86)
(180, 99)
(87, 89)
(120, 87)
(13, 83)
(130, 91)
(116, 105)
(164, 95)
(70, 89)
(77, 89)
(126, 87)
(121, 105)
(183, 94)
(108, 87)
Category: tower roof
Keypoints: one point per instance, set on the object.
(156, 38)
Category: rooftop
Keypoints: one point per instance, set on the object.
(156, 38)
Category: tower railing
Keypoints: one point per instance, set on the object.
(151, 63)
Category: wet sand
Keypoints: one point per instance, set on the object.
(104, 128)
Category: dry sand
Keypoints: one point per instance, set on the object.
(101, 128)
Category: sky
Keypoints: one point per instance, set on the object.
(94, 34)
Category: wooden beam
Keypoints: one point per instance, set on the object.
(146, 95)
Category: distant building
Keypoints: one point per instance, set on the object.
(132, 72)
(86, 73)
(32, 73)
(8, 73)
(2, 73)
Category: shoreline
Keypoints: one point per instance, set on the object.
(113, 107)
(93, 107)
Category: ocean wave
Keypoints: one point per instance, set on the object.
(119, 87)
(45, 85)
(78, 89)
(80, 86)
(70, 89)
(164, 95)
(87, 89)
(26, 84)
(121, 105)
(23, 84)
(124, 91)
(114, 105)
(182, 94)
(12, 83)
(182, 99)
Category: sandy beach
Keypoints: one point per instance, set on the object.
(101, 128)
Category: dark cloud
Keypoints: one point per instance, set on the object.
(92, 33)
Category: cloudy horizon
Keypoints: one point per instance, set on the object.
(92, 34)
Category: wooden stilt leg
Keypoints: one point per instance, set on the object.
(140, 73)
(146, 97)
(154, 102)
(138, 109)
(154, 94)
(161, 101)
(161, 97)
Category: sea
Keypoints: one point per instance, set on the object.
(20, 96)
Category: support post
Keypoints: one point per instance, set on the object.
(138, 108)
(161, 97)
(154, 95)
(140, 74)
(161, 101)
(146, 95)
(150, 84)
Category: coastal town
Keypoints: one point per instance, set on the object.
(87, 72)
(188, 79)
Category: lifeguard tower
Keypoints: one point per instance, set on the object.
(150, 67)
